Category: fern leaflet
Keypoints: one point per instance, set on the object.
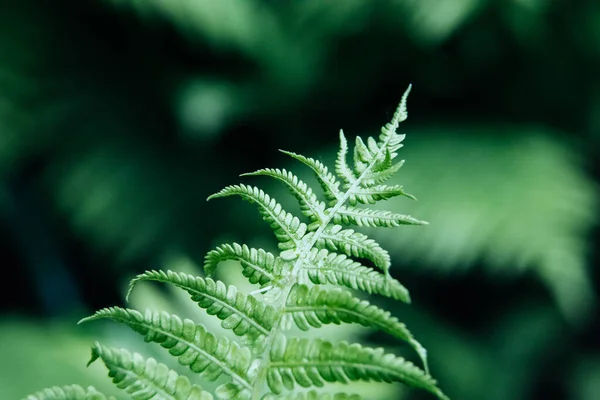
(316, 306)
(191, 343)
(243, 314)
(146, 379)
(309, 363)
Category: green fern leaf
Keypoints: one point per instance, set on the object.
(373, 160)
(364, 155)
(257, 264)
(191, 343)
(316, 306)
(243, 314)
(70, 392)
(322, 251)
(309, 204)
(312, 395)
(146, 379)
(374, 218)
(325, 267)
(313, 362)
(326, 179)
(341, 166)
(373, 194)
(353, 244)
(288, 229)
(392, 140)
(378, 176)
(380, 172)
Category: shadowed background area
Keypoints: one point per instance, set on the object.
(119, 117)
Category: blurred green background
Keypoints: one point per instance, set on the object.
(118, 118)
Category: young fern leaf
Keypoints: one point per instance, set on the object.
(307, 363)
(375, 193)
(191, 343)
(388, 134)
(146, 379)
(377, 177)
(243, 314)
(313, 307)
(380, 173)
(257, 264)
(341, 165)
(70, 392)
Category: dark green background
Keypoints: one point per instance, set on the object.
(118, 118)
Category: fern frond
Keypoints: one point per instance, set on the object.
(243, 314)
(69, 392)
(325, 267)
(364, 154)
(312, 395)
(146, 379)
(321, 250)
(309, 204)
(316, 306)
(309, 363)
(379, 176)
(191, 343)
(288, 229)
(341, 166)
(353, 244)
(374, 218)
(388, 134)
(326, 179)
(373, 161)
(373, 194)
(257, 264)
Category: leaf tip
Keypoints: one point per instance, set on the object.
(96, 352)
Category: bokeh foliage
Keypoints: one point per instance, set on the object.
(118, 118)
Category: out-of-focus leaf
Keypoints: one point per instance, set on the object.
(584, 383)
(112, 196)
(289, 43)
(500, 365)
(205, 106)
(431, 22)
(26, 121)
(120, 197)
(37, 354)
(527, 19)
